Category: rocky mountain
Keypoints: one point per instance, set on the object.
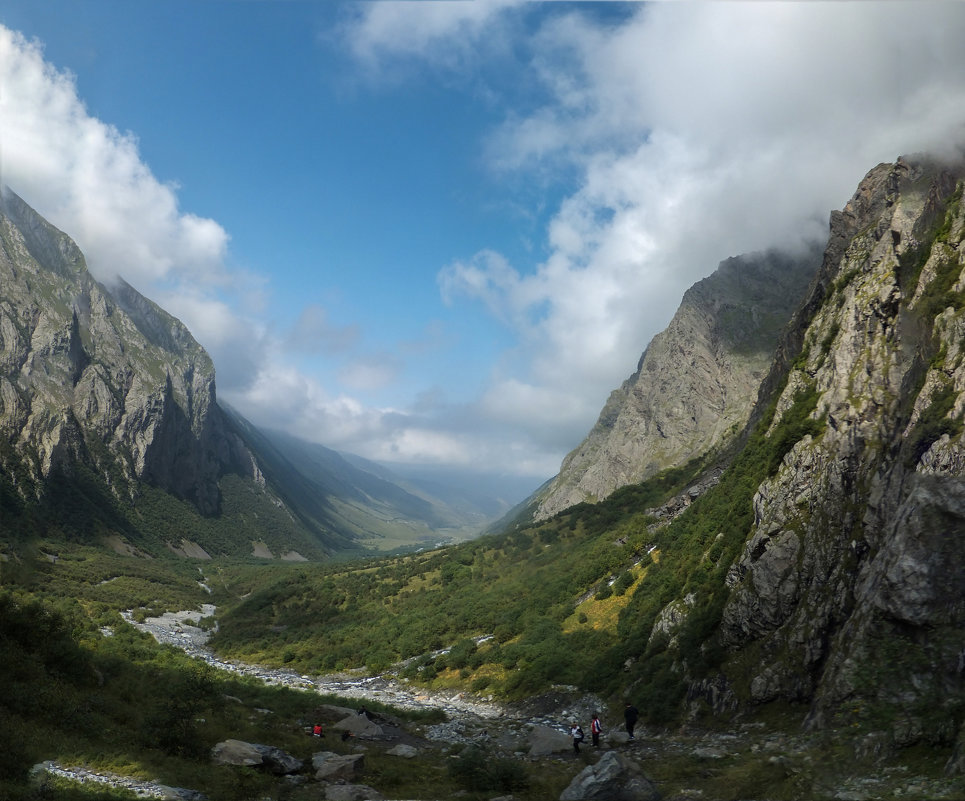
(110, 428)
(102, 378)
(696, 382)
(851, 588)
(824, 575)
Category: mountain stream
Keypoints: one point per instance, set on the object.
(179, 629)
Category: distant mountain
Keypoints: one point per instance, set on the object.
(480, 497)
(380, 509)
(695, 383)
(110, 431)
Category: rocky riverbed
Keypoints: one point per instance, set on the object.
(469, 719)
(180, 629)
(142, 789)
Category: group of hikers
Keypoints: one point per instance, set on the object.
(630, 717)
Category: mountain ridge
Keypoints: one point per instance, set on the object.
(695, 383)
(105, 395)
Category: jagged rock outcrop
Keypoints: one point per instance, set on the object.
(696, 382)
(614, 777)
(255, 755)
(330, 766)
(107, 379)
(850, 592)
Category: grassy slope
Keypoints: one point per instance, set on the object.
(566, 601)
(124, 704)
(541, 593)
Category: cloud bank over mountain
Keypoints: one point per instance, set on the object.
(664, 138)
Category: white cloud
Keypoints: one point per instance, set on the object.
(88, 179)
(487, 277)
(700, 130)
(414, 445)
(371, 372)
(444, 33)
(281, 396)
(695, 131)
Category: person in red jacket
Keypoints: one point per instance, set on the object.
(596, 728)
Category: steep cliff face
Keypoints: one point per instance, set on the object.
(105, 399)
(696, 382)
(850, 593)
(111, 381)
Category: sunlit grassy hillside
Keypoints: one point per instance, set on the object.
(572, 600)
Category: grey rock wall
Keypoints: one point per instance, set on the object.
(104, 378)
(695, 384)
(851, 588)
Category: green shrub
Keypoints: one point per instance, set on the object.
(624, 582)
(476, 770)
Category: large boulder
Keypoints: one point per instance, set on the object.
(613, 778)
(544, 740)
(404, 751)
(331, 712)
(360, 726)
(265, 757)
(352, 792)
(330, 766)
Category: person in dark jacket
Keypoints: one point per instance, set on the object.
(630, 715)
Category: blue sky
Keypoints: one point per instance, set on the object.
(442, 232)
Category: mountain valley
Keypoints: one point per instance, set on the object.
(769, 567)
(111, 429)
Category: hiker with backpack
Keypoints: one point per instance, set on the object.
(577, 734)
